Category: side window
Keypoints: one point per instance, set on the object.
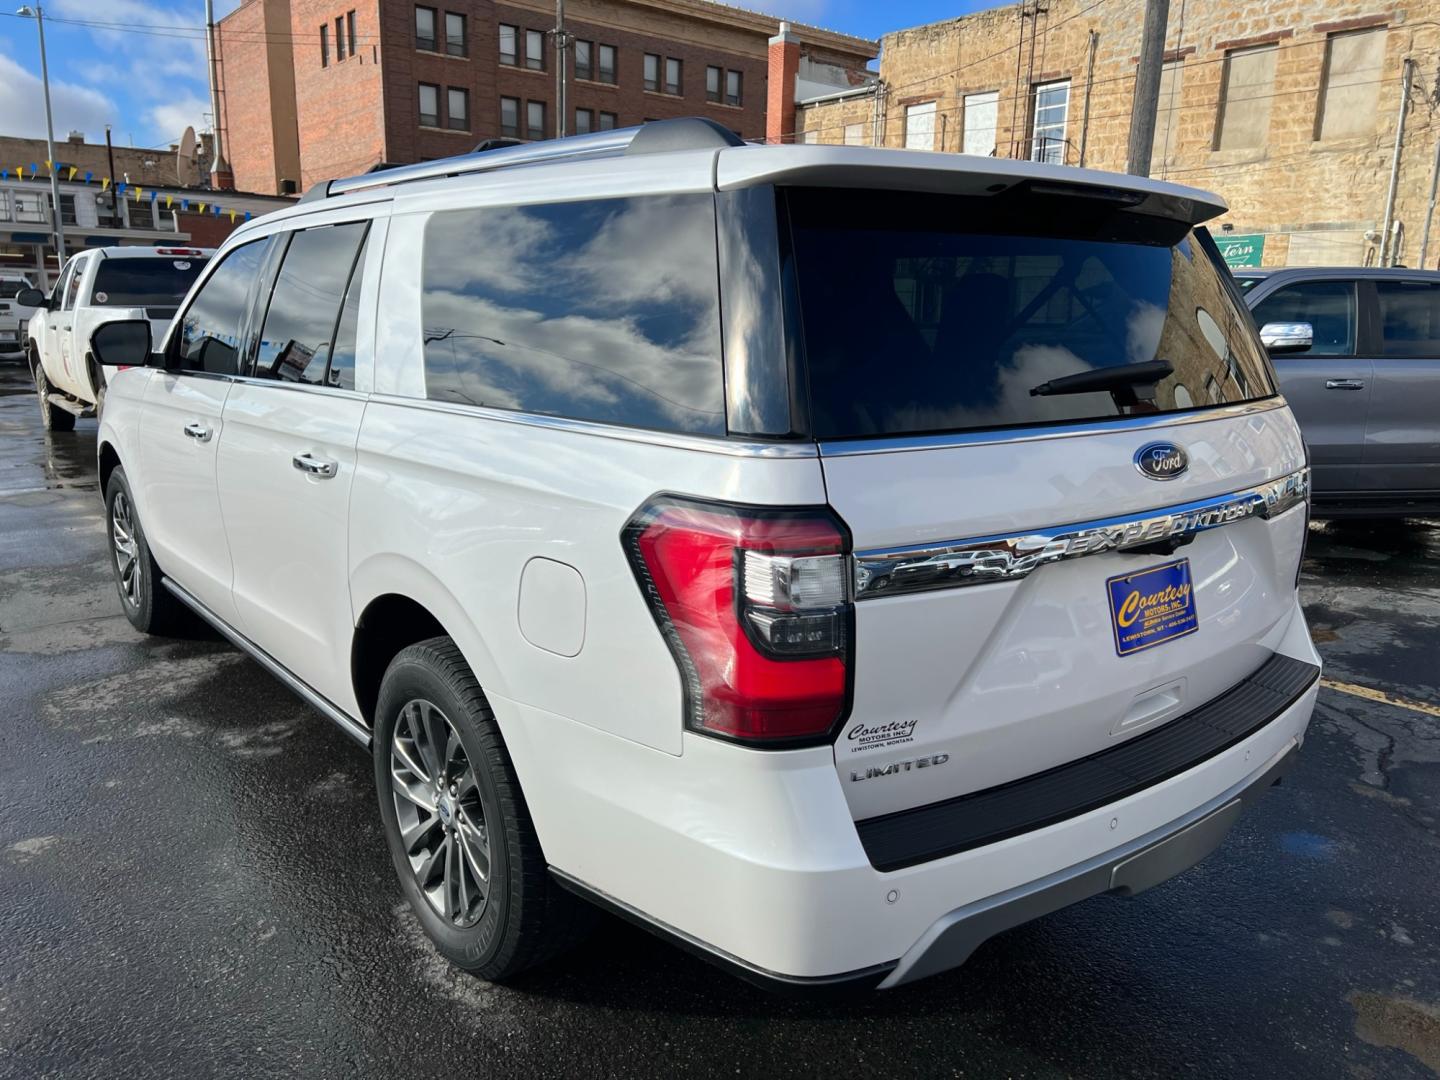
(58, 295)
(1329, 308)
(72, 287)
(305, 303)
(342, 357)
(1409, 318)
(209, 338)
(604, 310)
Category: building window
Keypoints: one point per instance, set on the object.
(457, 109)
(1167, 113)
(324, 46)
(455, 34)
(809, 138)
(854, 134)
(652, 71)
(534, 50)
(920, 126)
(1350, 88)
(509, 36)
(672, 76)
(1047, 125)
(350, 29)
(608, 121)
(713, 78)
(510, 117)
(607, 64)
(980, 113)
(584, 65)
(535, 120)
(1246, 87)
(732, 88)
(584, 121)
(339, 38)
(425, 28)
(30, 207)
(429, 105)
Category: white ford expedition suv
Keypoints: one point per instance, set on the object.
(97, 286)
(827, 557)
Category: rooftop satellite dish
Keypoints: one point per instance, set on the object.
(185, 171)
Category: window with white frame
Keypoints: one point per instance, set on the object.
(920, 126)
(854, 134)
(1047, 126)
(979, 131)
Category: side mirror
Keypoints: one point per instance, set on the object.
(31, 298)
(1287, 337)
(121, 344)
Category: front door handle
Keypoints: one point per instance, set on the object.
(198, 432)
(1344, 384)
(313, 466)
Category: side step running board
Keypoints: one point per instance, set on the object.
(70, 405)
(347, 723)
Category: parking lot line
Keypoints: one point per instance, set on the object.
(1381, 696)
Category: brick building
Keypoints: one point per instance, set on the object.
(314, 89)
(1288, 109)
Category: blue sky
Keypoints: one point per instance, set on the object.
(146, 75)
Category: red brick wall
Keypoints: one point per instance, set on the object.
(207, 230)
(340, 107)
(251, 145)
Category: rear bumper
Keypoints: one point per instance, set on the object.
(752, 859)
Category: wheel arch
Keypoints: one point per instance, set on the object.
(109, 461)
(400, 602)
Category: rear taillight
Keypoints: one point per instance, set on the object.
(754, 604)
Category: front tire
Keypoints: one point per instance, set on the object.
(456, 822)
(52, 418)
(150, 607)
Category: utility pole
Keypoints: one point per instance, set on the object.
(1147, 87)
(212, 57)
(561, 41)
(1387, 242)
(110, 156)
(38, 14)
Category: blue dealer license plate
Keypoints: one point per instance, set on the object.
(1151, 607)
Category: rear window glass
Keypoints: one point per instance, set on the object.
(601, 310)
(937, 313)
(10, 288)
(150, 282)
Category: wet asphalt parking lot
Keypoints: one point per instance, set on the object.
(193, 880)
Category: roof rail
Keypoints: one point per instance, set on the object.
(659, 136)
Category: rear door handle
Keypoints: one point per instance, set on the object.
(198, 432)
(313, 466)
(1344, 384)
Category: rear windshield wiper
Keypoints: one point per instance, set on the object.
(1122, 382)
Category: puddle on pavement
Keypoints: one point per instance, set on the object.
(1411, 1026)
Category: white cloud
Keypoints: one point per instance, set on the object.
(22, 103)
(168, 121)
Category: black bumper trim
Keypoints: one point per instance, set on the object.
(907, 837)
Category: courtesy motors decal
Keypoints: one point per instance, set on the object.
(863, 736)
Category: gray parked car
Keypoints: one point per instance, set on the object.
(1358, 355)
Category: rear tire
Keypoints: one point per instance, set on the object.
(456, 822)
(52, 418)
(150, 607)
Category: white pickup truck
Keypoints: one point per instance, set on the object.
(98, 286)
(12, 315)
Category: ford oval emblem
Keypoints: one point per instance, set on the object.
(1161, 460)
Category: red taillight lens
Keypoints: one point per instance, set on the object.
(755, 606)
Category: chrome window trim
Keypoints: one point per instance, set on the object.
(983, 560)
(895, 444)
(700, 443)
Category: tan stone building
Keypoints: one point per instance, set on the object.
(1288, 109)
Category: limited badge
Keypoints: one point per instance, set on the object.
(1151, 607)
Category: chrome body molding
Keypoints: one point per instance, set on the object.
(347, 723)
(985, 559)
(897, 444)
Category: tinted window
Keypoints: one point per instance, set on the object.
(210, 330)
(595, 310)
(943, 313)
(1245, 284)
(1409, 318)
(10, 287)
(153, 282)
(342, 357)
(305, 304)
(72, 287)
(1329, 308)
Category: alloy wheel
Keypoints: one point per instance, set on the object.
(128, 570)
(439, 812)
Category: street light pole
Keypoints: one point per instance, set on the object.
(38, 14)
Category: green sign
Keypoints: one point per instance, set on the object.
(1241, 250)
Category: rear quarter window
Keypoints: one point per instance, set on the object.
(158, 281)
(603, 310)
(939, 313)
